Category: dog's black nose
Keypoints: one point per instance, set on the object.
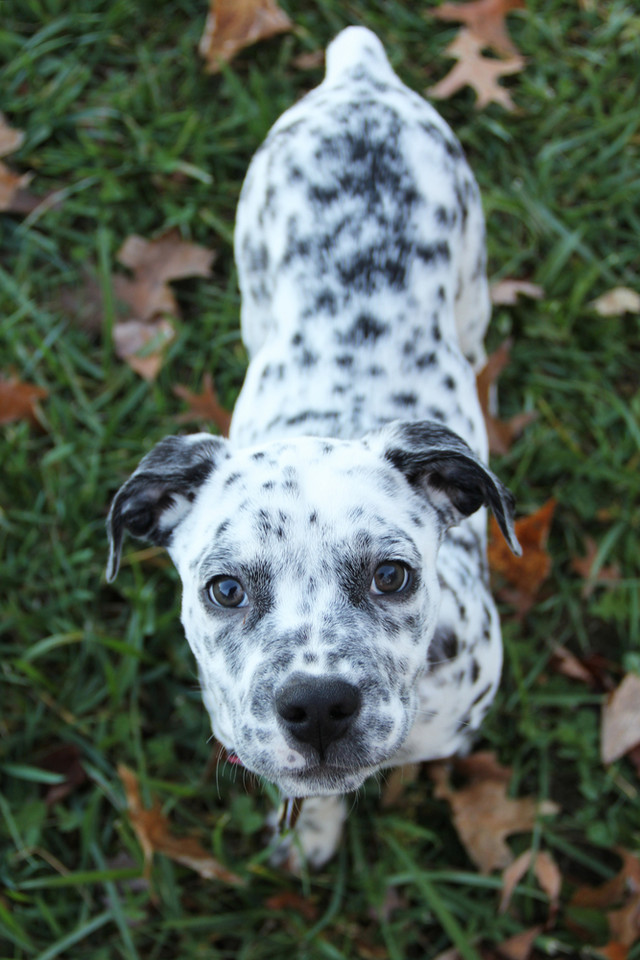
(318, 710)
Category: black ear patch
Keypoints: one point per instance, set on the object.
(434, 458)
(159, 494)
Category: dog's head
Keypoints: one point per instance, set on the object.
(310, 585)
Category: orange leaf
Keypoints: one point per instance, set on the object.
(484, 816)
(18, 401)
(234, 24)
(154, 834)
(476, 71)
(620, 731)
(10, 139)
(485, 18)
(616, 302)
(528, 572)
(204, 406)
(501, 433)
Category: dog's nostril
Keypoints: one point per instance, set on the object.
(293, 714)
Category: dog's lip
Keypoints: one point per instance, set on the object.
(234, 759)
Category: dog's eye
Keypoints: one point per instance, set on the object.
(390, 577)
(226, 592)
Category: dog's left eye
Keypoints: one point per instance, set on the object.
(226, 592)
(390, 577)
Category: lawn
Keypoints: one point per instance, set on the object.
(133, 137)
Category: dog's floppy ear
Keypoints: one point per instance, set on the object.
(159, 494)
(437, 461)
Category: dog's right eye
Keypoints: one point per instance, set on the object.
(226, 592)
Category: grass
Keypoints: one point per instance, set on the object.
(121, 120)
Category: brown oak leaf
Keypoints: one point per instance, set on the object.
(474, 70)
(545, 871)
(501, 433)
(153, 264)
(232, 25)
(204, 406)
(485, 19)
(155, 836)
(143, 345)
(18, 401)
(484, 816)
(620, 729)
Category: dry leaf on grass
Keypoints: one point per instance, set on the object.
(474, 70)
(143, 345)
(153, 264)
(232, 25)
(204, 406)
(485, 19)
(528, 572)
(506, 292)
(622, 893)
(484, 816)
(519, 946)
(620, 730)
(154, 834)
(545, 871)
(18, 401)
(501, 433)
(616, 302)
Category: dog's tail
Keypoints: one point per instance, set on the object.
(354, 48)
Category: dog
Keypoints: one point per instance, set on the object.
(332, 551)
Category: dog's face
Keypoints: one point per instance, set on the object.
(310, 586)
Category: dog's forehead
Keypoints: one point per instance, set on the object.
(301, 490)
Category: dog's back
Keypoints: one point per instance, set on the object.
(360, 251)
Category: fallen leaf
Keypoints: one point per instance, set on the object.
(143, 345)
(614, 951)
(501, 433)
(566, 663)
(616, 302)
(154, 834)
(506, 292)
(483, 765)
(474, 70)
(624, 923)
(291, 900)
(528, 572)
(153, 264)
(232, 25)
(484, 816)
(204, 406)
(485, 19)
(622, 892)
(18, 401)
(620, 728)
(545, 871)
(519, 946)
(308, 61)
(396, 782)
(10, 138)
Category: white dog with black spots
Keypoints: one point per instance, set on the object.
(332, 551)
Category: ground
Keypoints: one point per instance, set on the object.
(123, 123)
